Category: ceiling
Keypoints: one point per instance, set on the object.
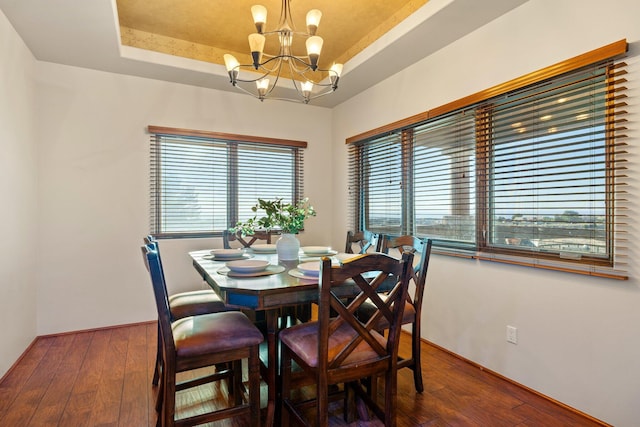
(183, 40)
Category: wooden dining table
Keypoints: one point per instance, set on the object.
(266, 293)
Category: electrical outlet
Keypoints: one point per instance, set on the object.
(512, 334)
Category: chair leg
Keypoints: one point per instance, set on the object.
(236, 380)
(254, 386)
(158, 368)
(415, 354)
(169, 398)
(349, 404)
(285, 387)
(390, 397)
(322, 402)
(160, 397)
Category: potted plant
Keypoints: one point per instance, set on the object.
(287, 217)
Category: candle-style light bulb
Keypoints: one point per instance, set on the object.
(259, 14)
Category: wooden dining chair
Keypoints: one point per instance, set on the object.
(365, 240)
(208, 340)
(412, 313)
(185, 304)
(342, 349)
(245, 241)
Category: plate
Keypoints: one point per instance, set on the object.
(264, 249)
(300, 275)
(271, 269)
(247, 265)
(227, 253)
(309, 268)
(215, 258)
(318, 250)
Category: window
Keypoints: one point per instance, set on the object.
(203, 182)
(530, 172)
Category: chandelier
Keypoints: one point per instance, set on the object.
(309, 81)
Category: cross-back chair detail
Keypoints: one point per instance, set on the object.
(245, 241)
(413, 312)
(366, 240)
(340, 347)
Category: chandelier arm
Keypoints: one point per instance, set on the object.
(285, 16)
(277, 65)
(266, 74)
(246, 91)
(320, 94)
(306, 66)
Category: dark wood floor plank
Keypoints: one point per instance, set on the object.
(12, 384)
(83, 394)
(551, 418)
(106, 409)
(136, 392)
(24, 406)
(54, 401)
(103, 378)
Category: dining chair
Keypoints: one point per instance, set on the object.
(413, 309)
(184, 304)
(342, 349)
(365, 241)
(245, 241)
(208, 340)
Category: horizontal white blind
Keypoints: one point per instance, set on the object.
(530, 172)
(203, 186)
(444, 179)
(555, 173)
(378, 167)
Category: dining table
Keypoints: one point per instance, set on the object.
(279, 286)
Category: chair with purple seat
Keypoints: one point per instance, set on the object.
(342, 349)
(185, 304)
(412, 314)
(207, 340)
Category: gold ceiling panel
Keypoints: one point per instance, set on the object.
(207, 29)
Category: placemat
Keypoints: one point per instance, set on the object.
(271, 269)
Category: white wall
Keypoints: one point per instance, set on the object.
(94, 170)
(577, 336)
(18, 192)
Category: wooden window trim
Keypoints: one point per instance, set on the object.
(161, 130)
(605, 52)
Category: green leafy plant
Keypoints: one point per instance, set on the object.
(289, 218)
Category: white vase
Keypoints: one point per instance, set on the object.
(287, 247)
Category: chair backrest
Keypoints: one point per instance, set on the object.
(339, 324)
(154, 266)
(245, 241)
(411, 244)
(151, 241)
(365, 240)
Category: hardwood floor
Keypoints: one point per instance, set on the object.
(103, 378)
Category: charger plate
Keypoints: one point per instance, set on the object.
(272, 269)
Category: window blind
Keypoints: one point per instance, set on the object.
(444, 179)
(530, 172)
(203, 184)
(554, 177)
